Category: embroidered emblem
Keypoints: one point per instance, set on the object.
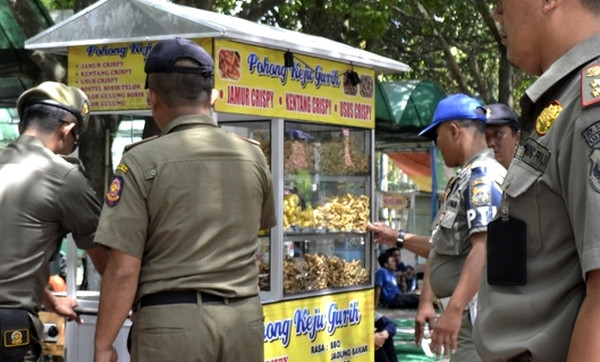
(595, 85)
(85, 109)
(591, 136)
(480, 192)
(15, 338)
(547, 117)
(590, 85)
(114, 191)
(123, 168)
(480, 196)
(592, 71)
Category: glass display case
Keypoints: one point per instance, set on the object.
(323, 182)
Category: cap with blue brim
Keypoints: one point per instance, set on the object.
(455, 107)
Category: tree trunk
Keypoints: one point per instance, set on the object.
(52, 66)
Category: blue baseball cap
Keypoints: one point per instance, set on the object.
(453, 108)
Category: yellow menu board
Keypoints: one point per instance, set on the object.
(112, 75)
(337, 327)
(254, 80)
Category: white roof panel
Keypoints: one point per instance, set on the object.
(114, 21)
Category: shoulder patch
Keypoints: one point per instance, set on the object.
(123, 168)
(113, 196)
(592, 138)
(590, 85)
(132, 145)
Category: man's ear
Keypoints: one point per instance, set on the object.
(550, 5)
(454, 129)
(151, 98)
(213, 97)
(67, 128)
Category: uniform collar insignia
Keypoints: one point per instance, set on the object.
(547, 117)
(590, 85)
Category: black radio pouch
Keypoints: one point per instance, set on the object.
(15, 328)
(507, 252)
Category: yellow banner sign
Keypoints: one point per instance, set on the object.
(255, 81)
(337, 327)
(112, 75)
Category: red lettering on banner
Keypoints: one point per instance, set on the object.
(279, 359)
(262, 98)
(297, 103)
(362, 111)
(346, 109)
(321, 105)
(237, 95)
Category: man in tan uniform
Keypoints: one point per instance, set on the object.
(181, 218)
(43, 196)
(540, 295)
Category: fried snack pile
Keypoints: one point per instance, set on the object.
(345, 213)
(293, 214)
(318, 272)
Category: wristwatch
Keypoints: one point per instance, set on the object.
(401, 235)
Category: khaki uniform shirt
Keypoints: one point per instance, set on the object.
(553, 185)
(471, 200)
(42, 198)
(189, 204)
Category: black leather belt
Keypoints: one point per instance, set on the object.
(183, 297)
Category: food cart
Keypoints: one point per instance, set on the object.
(310, 103)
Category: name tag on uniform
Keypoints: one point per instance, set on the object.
(533, 154)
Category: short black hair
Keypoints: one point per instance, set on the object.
(383, 258)
(45, 117)
(591, 5)
(392, 249)
(478, 125)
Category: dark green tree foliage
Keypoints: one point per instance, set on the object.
(456, 44)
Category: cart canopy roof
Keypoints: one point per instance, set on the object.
(114, 21)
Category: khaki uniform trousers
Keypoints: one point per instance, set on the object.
(202, 332)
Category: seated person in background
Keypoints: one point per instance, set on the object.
(409, 280)
(400, 267)
(387, 291)
(385, 330)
